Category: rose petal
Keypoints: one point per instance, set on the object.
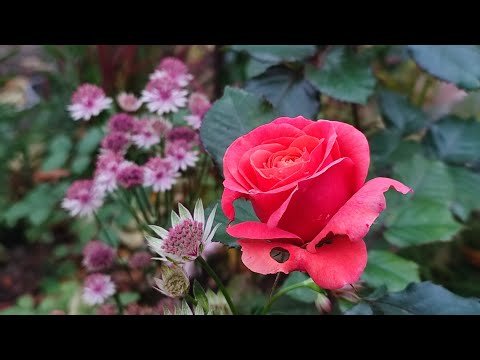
(331, 266)
(353, 144)
(299, 122)
(258, 230)
(318, 199)
(228, 197)
(357, 215)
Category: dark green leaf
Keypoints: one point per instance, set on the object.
(80, 164)
(233, 115)
(455, 140)
(360, 309)
(287, 90)
(344, 76)
(90, 141)
(200, 296)
(424, 299)
(256, 67)
(128, 297)
(466, 189)
(58, 153)
(243, 212)
(306, 295)
(277, 53)
(458, 64)
(400, 114)
(393, 271)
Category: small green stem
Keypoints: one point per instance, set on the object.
(156, 214)
(126, 203)
(219, 283)
(101, 227)
(141, 206)
(307, 283)
(146, 200)
(423, 93)
(116, 297)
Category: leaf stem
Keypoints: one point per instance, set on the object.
(219, 283)
(306, 283)
(101, 227)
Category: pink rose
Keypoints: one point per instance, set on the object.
(306, 182)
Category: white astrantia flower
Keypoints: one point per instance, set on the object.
(187, 237)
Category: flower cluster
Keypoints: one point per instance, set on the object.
(140, 149)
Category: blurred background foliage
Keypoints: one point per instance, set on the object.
(419, 107)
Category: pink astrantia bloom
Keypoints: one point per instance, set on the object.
(87, 101)
(129, 174)
(128, 102)
(121, 122)
(161, 126)
(162, 95)
(188, 236)
(140, 260)
(145, 135)
(181, 155)
(198, 104)
(82, 198)
(98, 256)
(175, 69)
(106, 171)
(97, 288)
(183, 133)
(160, 174)
(116, 142)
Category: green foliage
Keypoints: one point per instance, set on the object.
(419, 299)
(230, 117)
(243, 212)
(305, 295)
(343, 76)
(386, 268)
(458, 64)
(287, 90)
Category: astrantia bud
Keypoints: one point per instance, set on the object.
(217, 304)
(174, 282)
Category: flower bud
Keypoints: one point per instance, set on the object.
(174, 282)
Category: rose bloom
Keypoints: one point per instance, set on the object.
(306, 182)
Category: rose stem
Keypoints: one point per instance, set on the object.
(306, 283)
(215, 277)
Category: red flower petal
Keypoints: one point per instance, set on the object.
(360, 211)
(228, 197)
(299, 122)
(258, 230)
(331, 266)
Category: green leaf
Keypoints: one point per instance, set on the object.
(236, 113)
(466, 191)
(200, 296)
(305, 295)
(400, 114)
(25, 301)
(256, 67)
(178, 118)
(80, 164)
(421, 299)
(455, 141)
(360, 309)
(393, 271)
(287, 90)
(344, 76)
(128, 297)
(277, 53)
(90, 141)
(420, 221)
(243, 212)
(59, 151)
(458, 64)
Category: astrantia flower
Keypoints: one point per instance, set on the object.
(174, 282)
(144, 134)
(87, 101)
(181, 155)
(161, 126)
(160, 174)
(97, 288)
(129, 174)
(121, 122)
(187, 237)
(175, 69)
(97, 256)
(116, 142)
(182, 133)
(198, 104)
(128, 102)
(106, 171)
(82, 198)
(162, 95)
(140, 260)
